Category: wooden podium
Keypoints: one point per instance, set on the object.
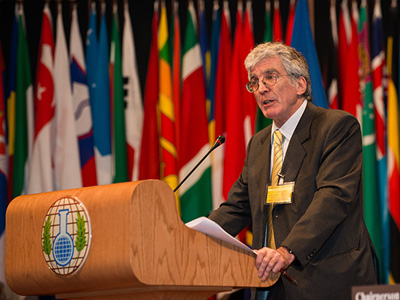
(139, 249)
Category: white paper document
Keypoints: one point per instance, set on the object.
(209, 227)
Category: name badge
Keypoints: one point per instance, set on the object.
(280, 194)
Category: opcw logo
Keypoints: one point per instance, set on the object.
(66, 236)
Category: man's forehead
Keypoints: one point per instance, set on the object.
(267, 65)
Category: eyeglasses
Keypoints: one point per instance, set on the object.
(269, 81)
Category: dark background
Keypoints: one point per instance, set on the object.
(141, 17)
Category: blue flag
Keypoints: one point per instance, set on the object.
(215, 37)
(302, 41)
(101, 110)
(91, 53)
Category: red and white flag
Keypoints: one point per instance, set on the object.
(41, 177)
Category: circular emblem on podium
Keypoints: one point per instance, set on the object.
(66, 236)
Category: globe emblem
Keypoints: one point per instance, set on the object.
(66, 236)
(63, 245)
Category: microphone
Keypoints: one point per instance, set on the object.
(218, 142)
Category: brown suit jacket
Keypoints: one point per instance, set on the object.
(324, 224)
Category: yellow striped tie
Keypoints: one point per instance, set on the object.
(276, 169)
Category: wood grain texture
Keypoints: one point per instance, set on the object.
(139, 243)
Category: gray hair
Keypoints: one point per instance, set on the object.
(293, 61)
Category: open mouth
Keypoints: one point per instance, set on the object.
(266, 102)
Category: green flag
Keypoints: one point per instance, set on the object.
(24, 110)
(371, 197)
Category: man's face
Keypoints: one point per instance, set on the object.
(281, 100)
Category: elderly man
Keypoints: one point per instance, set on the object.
(301, 186)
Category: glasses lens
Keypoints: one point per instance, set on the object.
(270, 80)
(251, 87)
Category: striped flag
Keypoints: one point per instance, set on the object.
(3, 173)
(149, 167)
(378, 65)
(195, 193)
(67, 173)
(222, 87)
(81, 100)
(393, 158)
(118, 135)
(133, 98)
(11, 101)
(169, 166)
(303, 41)
(24, 124)
(40, 172)
(371, 196)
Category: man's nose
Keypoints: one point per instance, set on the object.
(263, 88)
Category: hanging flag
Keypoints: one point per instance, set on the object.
(24, 124)
(40, 172)
(120, 172)
(371, 197)
(246, 46)
(350, 84)
(261, 120)
(176, 70)
(215, 45)
(303, 41)
(277, 32)
(268, 22)
(290, 21)
(393, 158)
(205, 49)
(378, 65)
(23, 114)
(101, 109)
(67, 173)
(331, 61)
(91, 56)
(3, 173)
(169, 156)
(81, 100)
(149, 167)
(133, 98)
(10, 105)
(222, 86)
(344, 40)
(235, 151)
(195, 193)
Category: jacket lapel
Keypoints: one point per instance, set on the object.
(295, 152)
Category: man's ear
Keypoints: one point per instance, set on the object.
(301, 85)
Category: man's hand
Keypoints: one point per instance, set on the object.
(271, 260)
